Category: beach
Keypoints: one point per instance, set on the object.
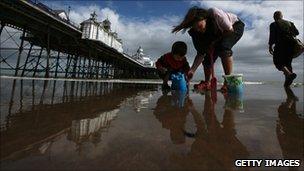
(83, 125)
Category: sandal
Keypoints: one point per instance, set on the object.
(224, 88)
(203, 86)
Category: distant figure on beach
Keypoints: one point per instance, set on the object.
(281, 35)
(214, 32)
(172, 62)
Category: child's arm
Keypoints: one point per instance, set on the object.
(186, 69)
(159, 64)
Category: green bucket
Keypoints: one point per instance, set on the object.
(234, 83)
(235, 102)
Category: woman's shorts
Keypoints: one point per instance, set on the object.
(224, 47)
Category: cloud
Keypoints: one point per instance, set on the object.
(153, 34)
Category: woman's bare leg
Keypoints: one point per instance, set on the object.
(207, 72)
(227, 63)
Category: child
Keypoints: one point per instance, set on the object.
(172, 62)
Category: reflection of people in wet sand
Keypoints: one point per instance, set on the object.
(218, 143)
(172, 116)
(290, 128)
(215, 144)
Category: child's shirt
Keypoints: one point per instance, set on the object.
(167, 61)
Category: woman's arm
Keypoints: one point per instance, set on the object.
(226, 33)
(197, 61)
(201, 51)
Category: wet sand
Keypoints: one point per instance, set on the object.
(111, 126)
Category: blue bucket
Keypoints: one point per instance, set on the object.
(178, 98)
(178, 82)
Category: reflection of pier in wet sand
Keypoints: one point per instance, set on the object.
(75, 125)
(48, 109)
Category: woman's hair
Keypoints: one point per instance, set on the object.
(193, 15)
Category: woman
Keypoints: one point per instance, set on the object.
(212, 30)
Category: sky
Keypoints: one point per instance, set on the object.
(149, 23)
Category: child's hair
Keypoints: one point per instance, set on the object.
(179, 48)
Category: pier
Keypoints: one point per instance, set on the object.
(41, 43)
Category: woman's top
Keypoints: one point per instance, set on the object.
(224, 20)
(218, 21)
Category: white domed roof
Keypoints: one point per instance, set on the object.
(140, 50)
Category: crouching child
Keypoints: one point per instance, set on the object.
(173, 62)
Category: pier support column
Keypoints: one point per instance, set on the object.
(97, 70)
(102, 69)
(81, 89)
(33, 94)
(38, 60)
(76, 91)
(79, 67)
(1, 28)
(57, 64)
(89, 69)
(26, 61)
(68, 65)
(74, 66)
(107, 70)
(47, 69)
(54, 91)
(83, 67)
(11, 103)
(93, 69)
(20, 51)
